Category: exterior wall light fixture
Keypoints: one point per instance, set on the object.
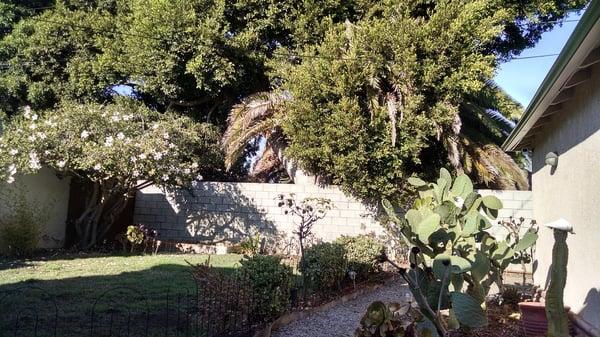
(551, 159)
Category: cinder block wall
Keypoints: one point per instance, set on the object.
(215, 212)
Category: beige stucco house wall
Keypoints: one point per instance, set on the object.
(564, 118)
(572, 191)
(48, 196)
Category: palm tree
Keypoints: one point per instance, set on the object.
(258, 115)
(472, 144)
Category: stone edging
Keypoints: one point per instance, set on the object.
(288, 318)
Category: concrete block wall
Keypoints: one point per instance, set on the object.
(215, 211)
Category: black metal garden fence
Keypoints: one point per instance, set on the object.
(212, 311)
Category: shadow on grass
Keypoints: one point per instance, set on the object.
(158, 301)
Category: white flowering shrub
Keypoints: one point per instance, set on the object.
(116, 148)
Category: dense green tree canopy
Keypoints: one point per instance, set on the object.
(379, 87)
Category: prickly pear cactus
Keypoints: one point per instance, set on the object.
(449, 222)
(558, 322)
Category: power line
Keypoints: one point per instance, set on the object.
(533, 57)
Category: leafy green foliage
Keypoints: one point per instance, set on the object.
(115, 148)
(324, 266)
(362, 252)
(370, 95)
(383, 97)
(271, 282)
(447, 228)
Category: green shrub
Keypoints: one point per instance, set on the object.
(362, 252)
(324, 265)
(271, 282)
(248, 246)
(20, 226)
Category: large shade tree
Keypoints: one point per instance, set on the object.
(403, 92)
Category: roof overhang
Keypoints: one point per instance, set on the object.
(571, 68)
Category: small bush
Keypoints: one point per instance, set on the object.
(21, 228)
(248, 246)
(324, 265)
(362, 252)
(271, 282)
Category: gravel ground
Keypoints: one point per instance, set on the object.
(343, 319)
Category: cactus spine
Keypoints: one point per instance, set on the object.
(558, 323)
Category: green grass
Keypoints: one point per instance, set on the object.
(131, 283)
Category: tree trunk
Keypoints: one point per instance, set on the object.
(102, 207)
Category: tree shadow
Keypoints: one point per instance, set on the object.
(158, 301)
(207, 214)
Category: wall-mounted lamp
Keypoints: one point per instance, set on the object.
(551, 159)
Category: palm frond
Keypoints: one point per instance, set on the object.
(254, 116)
(492, 167)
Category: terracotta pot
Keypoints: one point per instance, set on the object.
(533, 318)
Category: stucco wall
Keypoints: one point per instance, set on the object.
(46, 193)
(231, 211)
(572, 192)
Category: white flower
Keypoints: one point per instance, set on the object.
(142, 156)
(127, 117)
(84, 134)
(199, 177)
(135, 173)
(41, 135)
(120, 136)
(115, 118)
(165, 177)
(194, 165)
(47, 152)
(154, 126)
(32, 126)
(13, 152)
(31, 138)
(172, 146)
(27, 112)
(61, 164)
(10, 179)
(166, 135)
(133, 159)
(97, 167)
(34, 117)
(34, 162)
(12, 170)
(158, 156)
(187, 171)
(108, 141)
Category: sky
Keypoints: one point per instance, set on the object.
(520, 78)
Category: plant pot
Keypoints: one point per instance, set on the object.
(534, 321)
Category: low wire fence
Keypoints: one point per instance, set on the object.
(207, 311)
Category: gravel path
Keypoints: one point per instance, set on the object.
(343, 319)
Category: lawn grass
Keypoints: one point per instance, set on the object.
(133, 284)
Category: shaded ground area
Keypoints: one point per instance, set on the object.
(343, 319)
(71, 293)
